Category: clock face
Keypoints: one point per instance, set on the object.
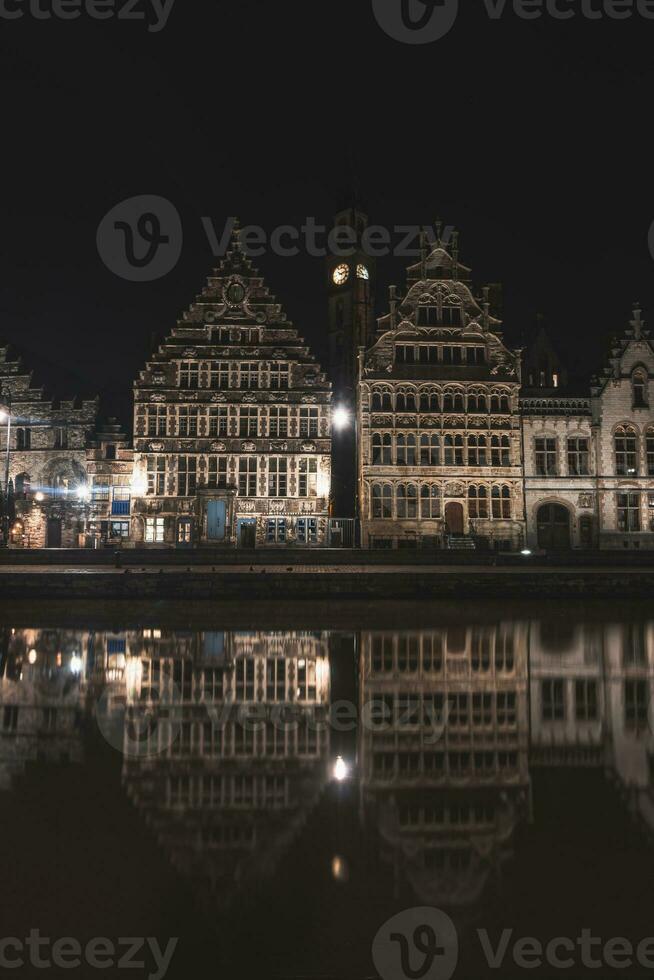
(362, 272)
(341, 274)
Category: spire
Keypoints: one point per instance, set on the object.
(455, 254)
(423, 254)
(637, 323)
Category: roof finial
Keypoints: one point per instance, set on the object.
(637, 322)
(236, 234)
(455, 254)
(423, 254)
(439, 230)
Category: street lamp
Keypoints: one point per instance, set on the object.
(5, 416)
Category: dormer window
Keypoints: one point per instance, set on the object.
(451, 316)
(427, 316)
(639, 386)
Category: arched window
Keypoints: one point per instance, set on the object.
(381, 449)
(429, 402)
(407, 500)
(400, 402)
(411, 459)
(400, 450)
(430, 501)
(448, 402)
(477, 502)
(430, 449)
(639, 387)
(411, 402)
(501, 500)
(477, 451)
(626, 451)
(505, 405)
(382, 500)
(649, 438)
(477, 404)
(376, 401)
(22, 484)
(454, 450)
(459, 404)
(387, 401)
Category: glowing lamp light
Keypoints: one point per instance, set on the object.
(341, 770)
(31, 656)
(75, 664)
(83, 492)
(341, 418)
(526, 552)
(139, 485)
(4, 415)
(39, 497)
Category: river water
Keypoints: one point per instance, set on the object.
(361, 791)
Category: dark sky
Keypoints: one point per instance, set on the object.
(532, 137)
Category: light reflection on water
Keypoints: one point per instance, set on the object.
(229, 741)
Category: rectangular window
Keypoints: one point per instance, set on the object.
(578, 457)
(308, 423)
(154, 529)
(219, 374)
(278, 422)
(248, 422)
(279, 375)
(121, 501)
(307, 530)
(553, 700)
(120, 529)
(189, 374)
(636, 705)
(248, 375)
(649, 445)
(156, 475)
(217, 472)
(586, 700)
(476, 355)
(277, 476)
(186, 476)
(23, 438)
(61, 438)
(276, 530)
(218, 421)
(100, 493)
(629, 512)
(427, 316)
(157, 420)
(188, 421)
(650, 510)
(308, 477)
(546, 457)
(247, 476)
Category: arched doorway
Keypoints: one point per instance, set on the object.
(553, 526)
(454, 517)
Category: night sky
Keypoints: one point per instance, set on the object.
(532, 137)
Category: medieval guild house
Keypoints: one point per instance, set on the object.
(232, 427)
(47, 501)
(589, 461)
(438, 416)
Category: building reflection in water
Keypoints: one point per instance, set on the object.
(451, 723)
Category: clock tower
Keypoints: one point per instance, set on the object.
(350, 291)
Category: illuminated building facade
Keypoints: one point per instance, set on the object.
(232, 427)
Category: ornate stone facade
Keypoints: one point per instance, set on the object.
(438, 414)
(47, 461)
(232, 425)
(589, 462)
